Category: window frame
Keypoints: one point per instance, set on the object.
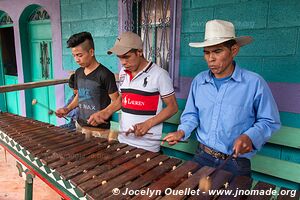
(175, 27)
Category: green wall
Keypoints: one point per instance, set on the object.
(274, 25)
(100, 18)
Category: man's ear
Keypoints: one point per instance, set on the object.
(92, 52)
(235, 50)
(140, 52)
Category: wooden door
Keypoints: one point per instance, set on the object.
(40, 47)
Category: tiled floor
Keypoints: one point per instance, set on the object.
(12, 186)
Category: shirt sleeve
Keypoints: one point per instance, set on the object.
(121, 79)
(165, 85)
(76, 80)
(110, 82)
(267, 116)
(189, 119)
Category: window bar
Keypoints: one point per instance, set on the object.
(172, 51)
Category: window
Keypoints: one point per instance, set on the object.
(7, 46)
(156, 21)
(5, 19)
(39, 14)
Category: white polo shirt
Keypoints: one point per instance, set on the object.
(142, 99)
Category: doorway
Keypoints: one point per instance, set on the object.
(8, 66)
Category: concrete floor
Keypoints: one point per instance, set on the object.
(12, 185)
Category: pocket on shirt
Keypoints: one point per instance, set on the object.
(235, 116)
(237, 112)
(234, 121)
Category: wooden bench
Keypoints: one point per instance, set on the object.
(280, 157)
(272, 164)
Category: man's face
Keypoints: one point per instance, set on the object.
(82, 56)
(131, 60)
(219, 59)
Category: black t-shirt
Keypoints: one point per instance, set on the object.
(93, 92)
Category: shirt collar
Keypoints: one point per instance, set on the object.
(236, 75)
(145, 70)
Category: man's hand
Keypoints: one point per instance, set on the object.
(174, 137)
(61, 112)
(141, 129)
(102, 116)
(99, 117)
(242, 144)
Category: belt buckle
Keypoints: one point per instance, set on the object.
(218, 155)
(212, 152)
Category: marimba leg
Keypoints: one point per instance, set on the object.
(28, 176)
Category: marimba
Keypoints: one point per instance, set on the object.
(78, 168)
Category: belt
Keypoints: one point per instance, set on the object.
(213, 153)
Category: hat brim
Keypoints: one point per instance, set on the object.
(241, 41)
(118, 50)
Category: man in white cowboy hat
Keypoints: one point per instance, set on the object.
(232, 109)
(144, 87)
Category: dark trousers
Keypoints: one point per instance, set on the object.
(237, 166)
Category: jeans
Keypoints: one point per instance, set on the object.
(70, 125)
(237, 166)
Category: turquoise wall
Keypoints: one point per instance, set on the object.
(100, 18)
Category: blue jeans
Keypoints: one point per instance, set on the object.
(237, 166)
(70, 125)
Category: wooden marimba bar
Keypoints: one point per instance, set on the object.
(80, 168)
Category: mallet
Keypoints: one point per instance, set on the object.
(205, 182)
(113, 135)
(50, 111)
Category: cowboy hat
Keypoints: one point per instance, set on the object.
(219, 31)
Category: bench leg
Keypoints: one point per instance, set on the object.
(28, 176)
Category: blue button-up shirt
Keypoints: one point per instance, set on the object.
(243, 105)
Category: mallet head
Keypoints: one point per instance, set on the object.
(34, 101)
